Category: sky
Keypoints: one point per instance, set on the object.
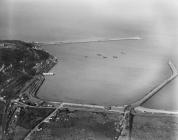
(54, 20)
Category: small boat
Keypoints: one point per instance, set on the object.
(48, 74)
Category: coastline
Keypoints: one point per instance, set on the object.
(28, 99)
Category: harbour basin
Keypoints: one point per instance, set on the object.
(108, 73)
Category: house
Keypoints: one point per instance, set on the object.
(1, 44)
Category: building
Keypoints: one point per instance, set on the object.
(1, 44)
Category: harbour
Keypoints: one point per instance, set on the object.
(136, 67)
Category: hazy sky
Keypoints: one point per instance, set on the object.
(50, 20)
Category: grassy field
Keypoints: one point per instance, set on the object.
(81, 125)
(155, 128)
(144, 128)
